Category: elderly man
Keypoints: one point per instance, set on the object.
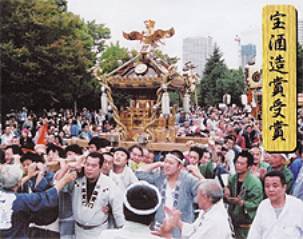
(141, 202)
(279, 216)
(16, 208)
(259, 168)
(212, 223)
(277, 164)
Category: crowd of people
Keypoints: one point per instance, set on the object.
(227, 188)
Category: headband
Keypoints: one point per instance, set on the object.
(142, 211)
(175, 157)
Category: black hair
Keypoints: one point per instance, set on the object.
(247, 126)
(73, 148)
(34, 157)
(141, 198)
(99, 142)
(28, 144)
(123, 150)
(108, 153)
(15, 148)
(55, 148)
(112, 150)
(142, 219)
(84, 125)
(99, 156)
(231, 137)
(246, 154)
(130, 149)
(276, 174)
(178, 154)
(206, 151)
(2, 156)
(198, 150)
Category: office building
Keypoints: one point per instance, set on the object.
(248, 54)
(197, 50)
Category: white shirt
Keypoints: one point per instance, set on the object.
(230, 156)
(131, 230)
(213, 224)
(288, 225)
(6, 209)
(124, 179)
(169, 198)
(108, 194)
(211, 124)
(7, 139)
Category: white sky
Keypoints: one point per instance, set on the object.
(220, 19)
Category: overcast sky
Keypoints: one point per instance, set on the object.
(220, 19)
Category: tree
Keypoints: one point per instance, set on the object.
(113, 56)
(99, 33)
(215, 72)
(232, 83)
(170, 60)
(62, 4)
(46, 53)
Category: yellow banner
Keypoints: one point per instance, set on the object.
(279, 101)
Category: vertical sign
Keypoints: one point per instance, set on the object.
(279, 103)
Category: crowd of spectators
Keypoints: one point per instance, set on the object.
(52, 189)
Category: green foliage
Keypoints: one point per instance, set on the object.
(170, 60)
(62, 4)
(46, 53)
(215, 70)
(233, 84)
(99, 33)
(113, 56)
(175, 98)
(218, 80)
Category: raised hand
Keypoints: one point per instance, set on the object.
(32, 170)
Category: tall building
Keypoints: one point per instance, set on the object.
(197, 50)
(248, 54)
(300, 32)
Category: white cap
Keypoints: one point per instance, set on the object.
(291, 156)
